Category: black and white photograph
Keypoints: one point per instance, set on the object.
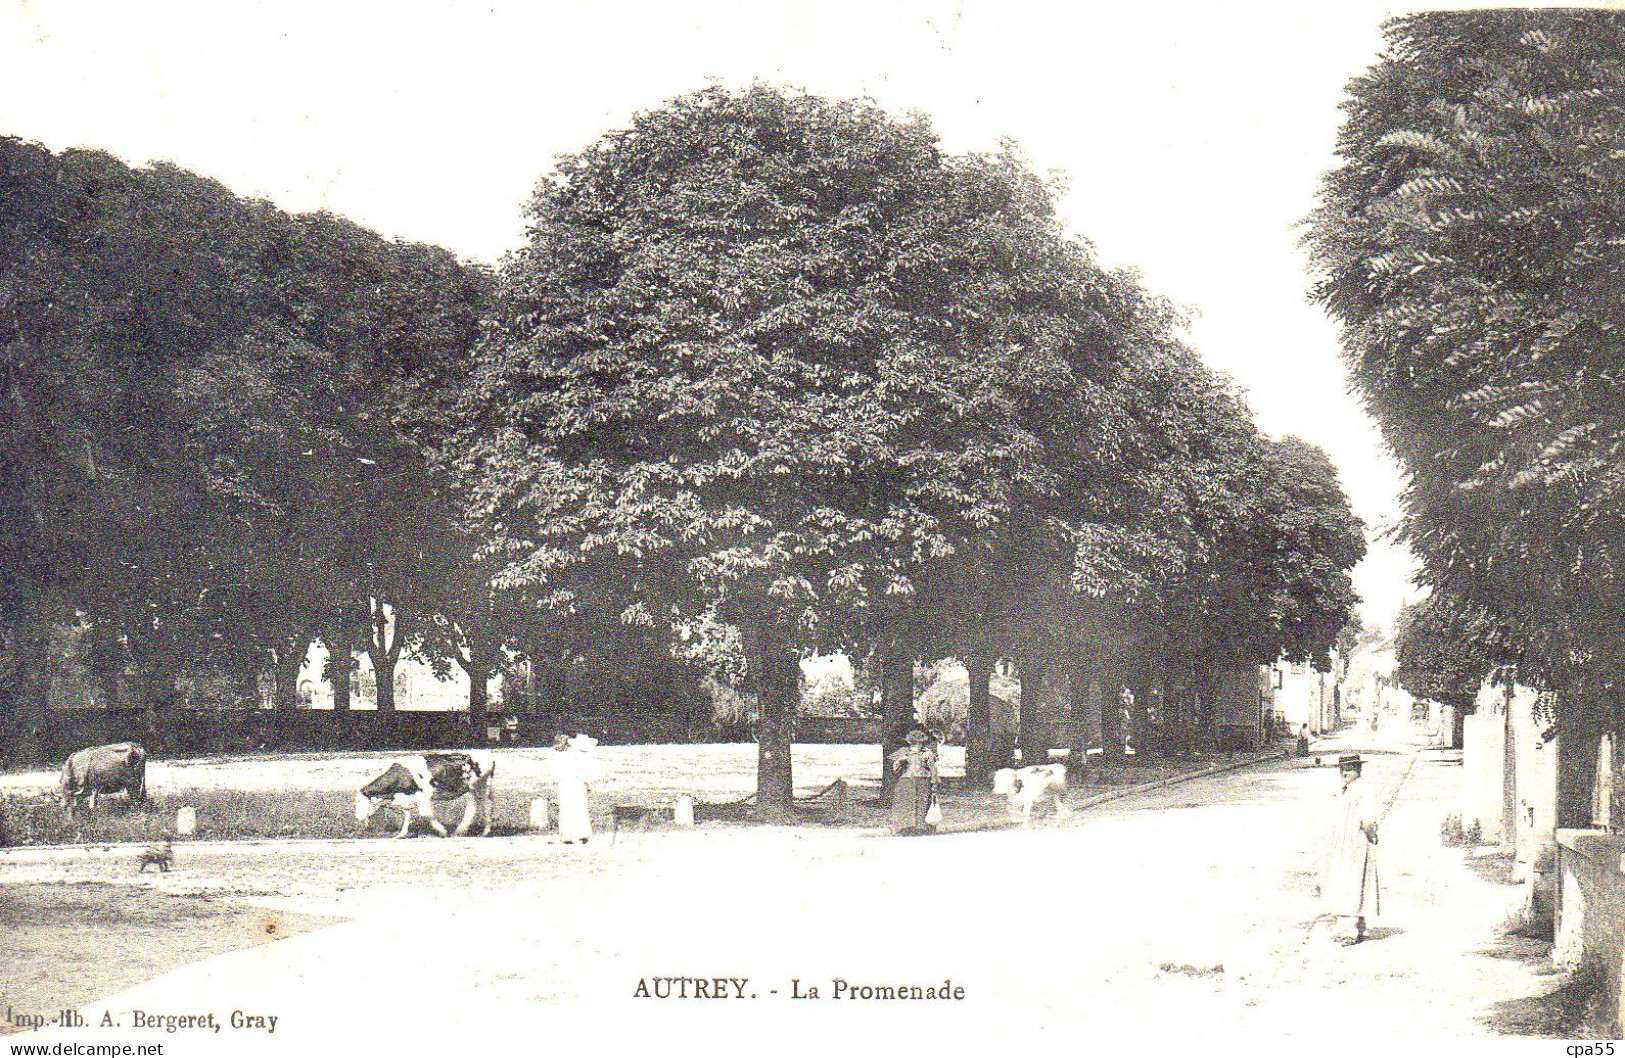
(778, 528)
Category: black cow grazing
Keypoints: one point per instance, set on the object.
(104, 770)
(416, 782)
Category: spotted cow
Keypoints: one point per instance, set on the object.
(415, 783)
(1025, 787)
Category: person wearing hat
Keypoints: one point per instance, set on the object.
(574, 769)
(913, 797)
(1350, 886)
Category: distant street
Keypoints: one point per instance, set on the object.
(1185, 910)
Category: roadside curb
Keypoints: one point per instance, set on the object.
(1157, 784)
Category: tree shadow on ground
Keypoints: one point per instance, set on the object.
(1572, 1010)
(1497, 869)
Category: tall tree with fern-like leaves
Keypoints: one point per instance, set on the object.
(1470, 244)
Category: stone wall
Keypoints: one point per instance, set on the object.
(1534, 781)
(1591, 911)
(1484, 786)
(1509, 788)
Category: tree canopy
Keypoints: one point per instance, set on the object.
(771, 374)
(1468, 244)
(205, 452)
(781, 364)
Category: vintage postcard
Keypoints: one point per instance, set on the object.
(805, 528)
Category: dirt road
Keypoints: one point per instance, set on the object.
(1180, 913)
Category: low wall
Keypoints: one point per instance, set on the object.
(178, 733)
(1591, 910)
(172, 733)
(831, 730)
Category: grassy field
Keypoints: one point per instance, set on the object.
(313, 795)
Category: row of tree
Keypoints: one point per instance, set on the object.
(1470, 246)
(771, 375)
(782, 376)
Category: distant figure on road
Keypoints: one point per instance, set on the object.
(1303, 741)
(915, 763)
(1349, 886)
(575, 769)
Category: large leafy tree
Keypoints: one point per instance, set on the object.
(1469, 246)
(1445, 649)
(206, 450)
(775, 367)
(766, 360)
(690, 411)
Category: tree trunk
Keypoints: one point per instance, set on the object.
(979, 720)
(340, 667)
(1087, 712)
(555, 682)
(1613, 722)
(1034, 746)
(1175, 706)
(776, 670)
(896, 708)
(384, 648)
(1111, 714)
(1206, 681)
(1579, 729)
(153, 691)
(107, 661)
(1144, 690)
(30, 689)
(341, 670)
(477, 665)
(290, 658)
(383, 672)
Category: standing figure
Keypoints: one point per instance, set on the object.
(1350, 886)
(915, 764)
(1302, 748)
(575, 769)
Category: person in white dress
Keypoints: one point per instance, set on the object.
(1350, 884)
(575, 769)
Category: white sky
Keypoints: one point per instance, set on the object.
(1191, 134)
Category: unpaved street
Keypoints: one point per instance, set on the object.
(1182, 912)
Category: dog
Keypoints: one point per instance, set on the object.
(160, 852)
